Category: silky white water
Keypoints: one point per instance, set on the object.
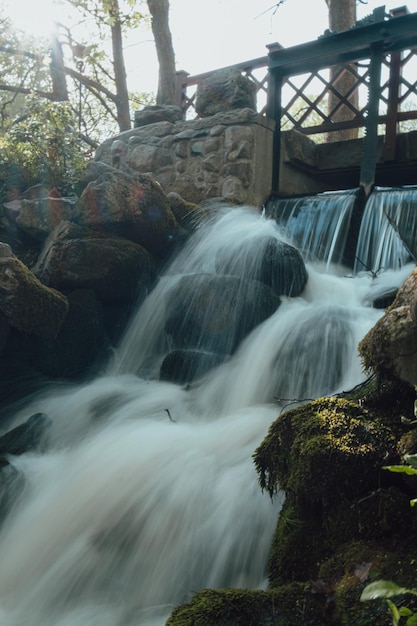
(147, 491)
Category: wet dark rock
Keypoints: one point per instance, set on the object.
(26, 437)
(214, 313)
(268, 260)
(4, 331)
(184, 366)
(311, 361)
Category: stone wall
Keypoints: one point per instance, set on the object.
(226, 156)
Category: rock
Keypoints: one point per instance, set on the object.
(26, 437)
(26, 303)
(134, 207)
(187, 214)
(4, 331)
(74, 257)
(391, 345)
(268, 260)
(80, 343)
(225, 90)
(214, 313)
(184, 366)
(158, 113)
(312, 359)
(38, 216)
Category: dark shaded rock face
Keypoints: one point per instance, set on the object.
(79, 258)
(270, 261)
(134, 207)
(82, 339)
(225, 90)
(214, 313)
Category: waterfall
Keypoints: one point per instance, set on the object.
(147, 491)
(318, 225)
(388, 236)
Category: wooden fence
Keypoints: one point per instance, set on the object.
(359, 82)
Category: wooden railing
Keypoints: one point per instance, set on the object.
(359, 82)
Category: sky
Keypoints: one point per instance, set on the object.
(208, 34)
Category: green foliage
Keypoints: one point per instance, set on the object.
(386, 589)
(43, 147)
(410, 469)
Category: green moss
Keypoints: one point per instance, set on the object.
(323, 451)
(288, 605)
(27, 304)
(296, 549)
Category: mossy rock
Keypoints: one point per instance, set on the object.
(287, 606)
(188, 214)
(298, 545)
(353, 566)
(26, 303)
(323, 452)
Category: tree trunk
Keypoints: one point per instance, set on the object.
(342, 16)
(57, 71)
(159, 10)
(122, 94)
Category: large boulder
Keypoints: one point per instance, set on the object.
(74, 257)
(269, 260)
(225, 90)
(40, 210)
(391, 345)
(25, 302)
(184, 366)
(214, 313)
(134, 207)
(154, 113)
(80, 343)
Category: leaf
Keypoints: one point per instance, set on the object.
(412, 621)
(413, 502)
(405, 612)
(382, 589)
(394, 612)
(411, 459)
(405, 469)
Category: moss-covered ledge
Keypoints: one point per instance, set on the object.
(287, 606)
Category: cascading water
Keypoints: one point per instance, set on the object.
(147, 491)
(388, 236)
(318, 225)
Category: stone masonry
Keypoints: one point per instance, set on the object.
(218, 157)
